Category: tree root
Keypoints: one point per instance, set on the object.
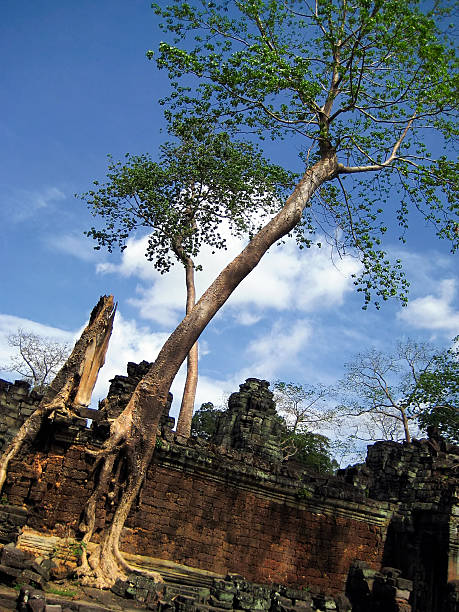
(73, 383)
(30, 428)
(105, 564)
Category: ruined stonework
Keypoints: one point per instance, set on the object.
(381, 535)
(250, 422)
(17, 402)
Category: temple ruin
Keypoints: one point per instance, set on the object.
(230, 525)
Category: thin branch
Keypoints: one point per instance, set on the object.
(378, 166)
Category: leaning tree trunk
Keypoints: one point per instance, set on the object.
(73, 384)
(191, 382)
(133, 433)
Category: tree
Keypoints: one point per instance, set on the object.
(38, 358)
(312, 450)
(198, 183)
(305, 412)
(304, 407)
(390, 396)
(204, 421)
(437, 394)
(358, 85)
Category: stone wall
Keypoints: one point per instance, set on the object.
(17, 403)
(235, 507)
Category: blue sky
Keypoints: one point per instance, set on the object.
(76, 86)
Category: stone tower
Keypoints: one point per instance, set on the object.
(251, 424)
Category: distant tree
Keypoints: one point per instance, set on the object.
(38, 358)
(304, 407)
(204, 421)
(304, 411)
(437, 394)
(202, 185)
(390, 396)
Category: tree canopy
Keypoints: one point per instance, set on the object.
(437, 394)
(200, 180)
(367, 82)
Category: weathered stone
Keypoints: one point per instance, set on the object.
(406, 585)
(9, 574)
(250, 422)
(13, 557)
(38, 568)
(343, 604)
(38, 605)
(119, 588)
(33, 578)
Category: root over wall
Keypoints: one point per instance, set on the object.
(225, 509)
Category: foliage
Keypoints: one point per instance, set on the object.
(437, 394)
(56, 590)
(312, 450)
(388, 396)
(204, 421)
(365, 82)
(38, 358)
(304, 409)
(182, 199)
(69, 548)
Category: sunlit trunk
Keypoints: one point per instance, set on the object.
(189, 391)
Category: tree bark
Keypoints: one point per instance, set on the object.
(134, 431)
(74, 383)
(406, 428)
(191, 382)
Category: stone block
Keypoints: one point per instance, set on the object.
(406, 585)
(9, 574)
(402, 594)
(37, 568)
(343, 604)
(226, 605)
(119, 588)
(7, 604)
(37, 605)
(302, 606)
(13, 557)
(33, 578)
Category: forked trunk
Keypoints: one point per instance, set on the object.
(191, 382)
(134, 432)
(74, 383)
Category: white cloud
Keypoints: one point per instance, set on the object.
(290, 279)
(285, 279)
(74, 244)
(434, 312)
(277, 350)
(245, 317)
(23, 204)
